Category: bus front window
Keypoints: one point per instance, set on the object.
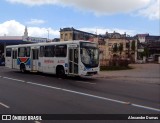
(89, 55)
(85, 56)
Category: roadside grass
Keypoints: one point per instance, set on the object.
(114, 68)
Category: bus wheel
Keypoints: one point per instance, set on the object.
(60, 72)
(22, 68)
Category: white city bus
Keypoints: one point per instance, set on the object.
(77, 58)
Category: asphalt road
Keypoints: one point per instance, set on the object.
(35, 93)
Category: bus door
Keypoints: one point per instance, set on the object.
(73, 60)
(34, 59)
(14, 58)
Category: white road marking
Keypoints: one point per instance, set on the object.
(89, 95)
(99, 97)
(86, 82)
(145, 107)
(13, 79)
(37, 122)
(76, 92)
(4, 105)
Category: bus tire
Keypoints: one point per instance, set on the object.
(60, 72)
(22, 68)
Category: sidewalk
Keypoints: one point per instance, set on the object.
(141, 73)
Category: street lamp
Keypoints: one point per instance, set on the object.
(48, 34)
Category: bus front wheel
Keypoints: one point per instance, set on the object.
(22, 68)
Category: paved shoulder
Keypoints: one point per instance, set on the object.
(149, 73)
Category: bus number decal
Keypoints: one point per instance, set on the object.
(61, 61)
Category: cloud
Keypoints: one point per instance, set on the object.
(107, 7)
(35, 22)
(34, 2)
(96, 6)
(43, 32)
(14, 28)
(153, 11)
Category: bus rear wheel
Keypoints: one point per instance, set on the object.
(60, 72)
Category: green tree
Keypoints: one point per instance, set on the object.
(121, 48)
(146, 52)
(115, 48)
(133, 46)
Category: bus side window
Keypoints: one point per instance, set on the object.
(41, 51)
(49, 51)
(61, 50)
(21, 52)
(8, 52)
(27, 53)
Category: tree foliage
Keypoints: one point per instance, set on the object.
(133, 46)
(120, 48)
(115, 48)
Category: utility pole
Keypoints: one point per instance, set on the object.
(48, 34)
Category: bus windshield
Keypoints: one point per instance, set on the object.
(89, 54)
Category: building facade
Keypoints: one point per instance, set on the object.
(116, 46)
(142, 37)
(153, 45)
(150, 47)
(67, 34)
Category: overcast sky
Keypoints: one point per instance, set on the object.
(130, 16)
